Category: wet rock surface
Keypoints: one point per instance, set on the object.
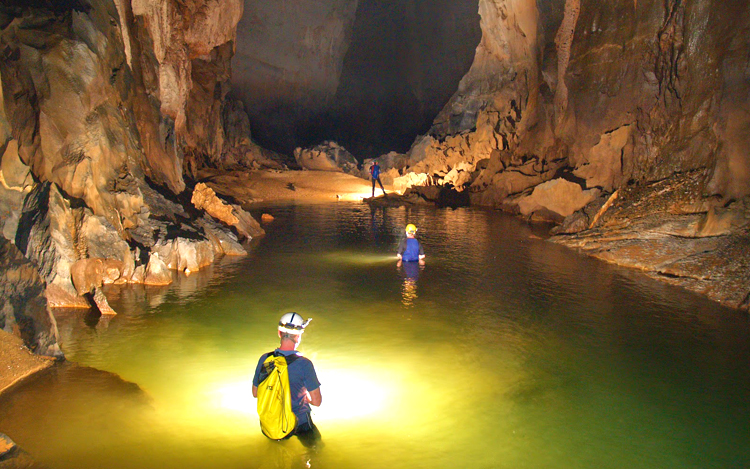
(24, 311)
(17, 360)
(107, 110)
(668, 231)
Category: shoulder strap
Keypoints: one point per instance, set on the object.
(289, 358)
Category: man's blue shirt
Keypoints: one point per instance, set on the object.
(302, 377)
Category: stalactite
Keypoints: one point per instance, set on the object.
(563, 43)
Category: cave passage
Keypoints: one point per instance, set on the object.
(403, 60)
(513, 354)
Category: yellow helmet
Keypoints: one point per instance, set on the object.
(411, 229)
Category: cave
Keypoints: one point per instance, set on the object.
(570, 179)
(370, 75)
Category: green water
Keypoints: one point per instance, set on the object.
(505, 351)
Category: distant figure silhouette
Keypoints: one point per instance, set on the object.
(375, 176)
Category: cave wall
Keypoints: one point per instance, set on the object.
(369, 74)
(108, 109)
(609, 93)
(288, 62)
(405, 61)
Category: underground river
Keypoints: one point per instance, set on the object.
(505, 351)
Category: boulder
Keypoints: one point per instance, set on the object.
(157, 271)
(408, 180)
(97, 238)
(223, 241)
(185, 254)
(328, 156)
(559, 196)
(204, 198)
(460, 176)
(91, 273)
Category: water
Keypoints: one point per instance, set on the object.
(504, 351)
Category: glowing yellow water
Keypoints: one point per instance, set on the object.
(504, 351)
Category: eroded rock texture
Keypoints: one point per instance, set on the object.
(602, 95)
(24, 309)
(609, 92)
(108, 108)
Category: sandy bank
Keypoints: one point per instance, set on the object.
(268, 186)
(17, 361)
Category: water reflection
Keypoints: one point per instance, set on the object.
(506, 351)
(410, 273)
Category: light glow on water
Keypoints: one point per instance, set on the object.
(352, 394)
(504, 351)
(236, 397)
(354, 258)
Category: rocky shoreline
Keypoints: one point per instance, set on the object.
(23, 286)
(18, 361)
(670, 232)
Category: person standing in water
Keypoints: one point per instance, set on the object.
(303, 381)
(375, 176)
(410, 249)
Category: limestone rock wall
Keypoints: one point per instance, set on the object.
(602, 93)
(289, 61)
(106, 110)
(606, 117)
(24, 309)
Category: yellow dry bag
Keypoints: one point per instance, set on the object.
(277, 420)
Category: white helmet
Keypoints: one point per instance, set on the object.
(292, 323)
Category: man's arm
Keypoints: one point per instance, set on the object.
(401, 248)
(314, 397)
(255, 391)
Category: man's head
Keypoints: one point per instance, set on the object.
(411, 230)
(291, 327)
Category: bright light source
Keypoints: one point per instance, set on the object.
(350, 394)
(237, 397)
(357, 258)
(347, 394)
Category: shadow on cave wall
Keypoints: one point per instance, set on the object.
(404, 61)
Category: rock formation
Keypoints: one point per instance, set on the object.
(606, 96)
(24, 310)
(109, 108)
(328, 156)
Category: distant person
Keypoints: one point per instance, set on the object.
(375, 176)
(303, 382)
(410, 249)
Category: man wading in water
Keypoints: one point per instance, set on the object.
(409, 248)
(304, 386)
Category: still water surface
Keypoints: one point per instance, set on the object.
(504, 351)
